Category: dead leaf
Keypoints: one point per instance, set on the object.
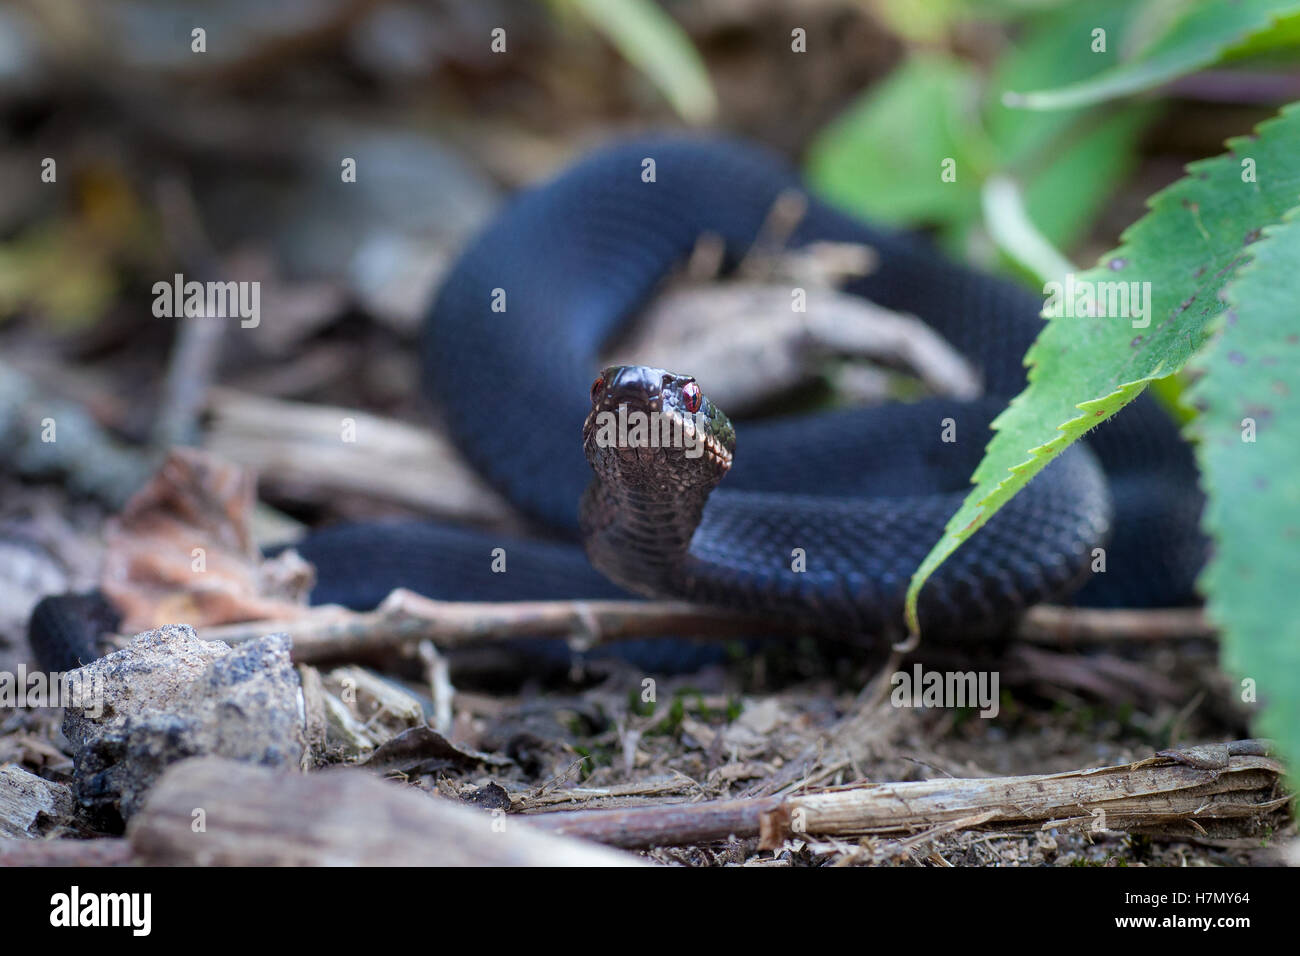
(182, 550)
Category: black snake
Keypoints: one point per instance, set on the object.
(821, 517)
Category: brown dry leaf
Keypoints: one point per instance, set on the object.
(182, 550)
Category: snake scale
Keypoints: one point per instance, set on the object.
(862, 493)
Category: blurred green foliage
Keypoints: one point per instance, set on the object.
(650, 40)
(1200, 34)
(875, 159)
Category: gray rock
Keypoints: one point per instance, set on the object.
(167, 696)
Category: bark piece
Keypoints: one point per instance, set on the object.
(296, 449)
(255, 816)
(31, 806)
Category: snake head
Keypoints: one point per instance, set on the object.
(652, 429)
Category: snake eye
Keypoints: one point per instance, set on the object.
(691, 397)
(597, 387)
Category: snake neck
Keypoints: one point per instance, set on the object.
(639, 538)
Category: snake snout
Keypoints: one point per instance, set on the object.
(633, 385)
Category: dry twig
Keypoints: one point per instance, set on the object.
(406, 619)
(1049, 624)
(1219, 790)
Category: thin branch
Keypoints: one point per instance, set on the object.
(197, 348)
(405, 619)
(1049, 624)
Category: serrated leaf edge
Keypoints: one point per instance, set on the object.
(1042, 454)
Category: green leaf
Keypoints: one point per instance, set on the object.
(1284, 34)
(1068, 161)
(650, 40)
(1016, 235)
(876, 158)
(1251, 371)
(921, 23)
(1168, 391)
(1082, 370)
(1054, 51)
(1204, 35)
(882, 158)
(1087, 164)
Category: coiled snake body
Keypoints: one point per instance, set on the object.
(861, 494)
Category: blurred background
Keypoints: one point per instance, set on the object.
(217, 154)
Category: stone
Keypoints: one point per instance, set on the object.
(167, 696)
